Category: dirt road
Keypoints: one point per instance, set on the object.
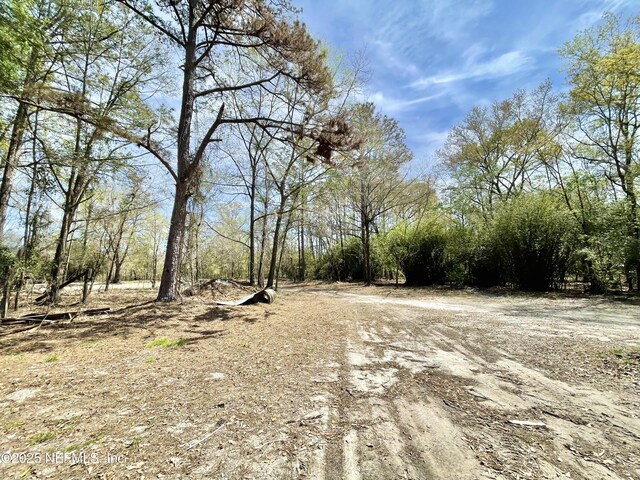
(433, 382)
(334, 382)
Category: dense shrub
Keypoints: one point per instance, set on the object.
(607, 253)
(530, 244)
(7, 263)
(420, 252)
(459, 251)
(340, 261)
(487, 267)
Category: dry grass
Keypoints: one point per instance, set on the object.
(149, 380)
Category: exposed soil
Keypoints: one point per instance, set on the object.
(331, 381)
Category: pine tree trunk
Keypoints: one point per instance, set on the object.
(263, 244)
(635, 235)
(284, 239)
(365, 235)
(17, 133)
(61, 244)
(302, 259)
(117, 274)
(366, 253)
(170, 274)
(252, 231)
(11, 161)
(274, 252)
(263, 237)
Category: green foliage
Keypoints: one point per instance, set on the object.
(12, 426)
(607, 250)
(459, 248)
(341, 262)
(581, 158)
(603, 70)
(345, 261)
(41, 437)
(623, 358)
(530, 244)
(164, 342)
(8, 261)
(486, 265)
(14, 42)
(52, 357)
(420, 252)
(494, 152)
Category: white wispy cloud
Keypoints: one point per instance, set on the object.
(432, 60)
(504, 65)
(561, 21)
(386, 53)
(598, 8)
(433, 138)
(407, 23)
(614, 5)
(393, 105)
(426, 143)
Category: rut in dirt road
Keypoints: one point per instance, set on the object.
(428, 388)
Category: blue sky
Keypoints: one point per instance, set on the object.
(432, 60)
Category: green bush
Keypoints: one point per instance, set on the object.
(420, 252)
(341, 262)
(607, 252)
(487, 267)
(530, 243)
(344, 262)
(8, 261)
(460, 244)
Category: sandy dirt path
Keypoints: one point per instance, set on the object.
(443, 387)
(330, 382)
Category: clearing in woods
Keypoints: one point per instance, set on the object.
(331, 381)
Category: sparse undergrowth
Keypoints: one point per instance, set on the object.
(623, 359)
(41, 437)
(165, 342)
(52, 357)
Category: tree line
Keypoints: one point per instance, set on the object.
(174, 141)
(89, 92)
(537, 191)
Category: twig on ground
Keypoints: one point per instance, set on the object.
(305, 419)
(209, 435)
(527, 423)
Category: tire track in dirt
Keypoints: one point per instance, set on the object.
(431, 398)
(383, 432)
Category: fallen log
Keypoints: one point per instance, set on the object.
(39, 318)
(12, 331)
(95, 311)
(48, 292)
(47, 317)
(267, 295)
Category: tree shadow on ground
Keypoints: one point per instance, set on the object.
(625, 297)
(204, 335)
(246, 313)
(149, 318)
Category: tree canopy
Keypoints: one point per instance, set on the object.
(181, 140)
